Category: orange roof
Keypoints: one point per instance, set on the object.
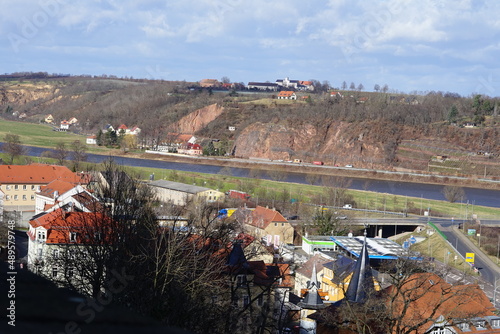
(56, 186)
(432, 297)
(122, 126)
(37, 174)
(286, 93)
(305, 83)
(59, 223)
(261, 217)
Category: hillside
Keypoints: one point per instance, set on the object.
(370, 130)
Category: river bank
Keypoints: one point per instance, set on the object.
(400, 176)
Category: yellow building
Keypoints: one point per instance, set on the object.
(181, 193)
(266, 224)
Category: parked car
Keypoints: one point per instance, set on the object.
(348, 166)
(347, 206)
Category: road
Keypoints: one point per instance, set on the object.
(488, 269)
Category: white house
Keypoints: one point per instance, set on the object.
(91, 140)
(64, 125)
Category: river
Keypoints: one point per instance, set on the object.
(474, 196)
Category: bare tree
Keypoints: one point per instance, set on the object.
(415, 298)
(60, 153)
(78, 153)
(277, 175)
(453, 193)
(12, 146)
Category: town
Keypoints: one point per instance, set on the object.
(199, 258)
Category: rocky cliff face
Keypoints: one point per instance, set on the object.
(335, 143)
(199, 119)
(23, 94)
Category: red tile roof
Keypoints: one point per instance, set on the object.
(59, 223)
(37, 174)
(432, 297)
(286, 93)
(55, 186)
(261, 217)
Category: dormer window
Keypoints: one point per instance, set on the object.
(72, 236)
(41, 235)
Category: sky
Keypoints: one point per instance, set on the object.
(412, 46)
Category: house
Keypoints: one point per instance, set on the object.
(108, 128)
(295, 84)
(181, 193)
(122, 129)
(266, 224)
(304, 272)
(362, 99)
(49, 119)
(72, 121)
(287, 95)
(428, 303)
(20, 183)
(60, 194)
(64, 125)
(262, 286)
(190, 149)
(336, 94)
(209, 83)
(262, 86)
(91, 140)
(49, 235)
(231, 128)
(134, 131)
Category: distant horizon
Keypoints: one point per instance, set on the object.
(432, 45)
(115, 77)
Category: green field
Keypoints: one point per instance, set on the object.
(42, 135)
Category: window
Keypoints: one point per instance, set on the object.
(54, 271)
(70, 272)
(24, 198)
(275, 224)
(495, 323)
(240, 279)
(7, 197)
(260, 300)
(246, 300)
(32, 187)
(464, 326)
(25, 187)
(72, 236)
(40, 252)
(282, 224)
(16, 187)
(32, 197)
(41, 235)
(55, 253)
(15, 197)
(480, 324)
(8, 187)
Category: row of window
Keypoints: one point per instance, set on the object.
(23, 187)
(16, 197)
(70, 272)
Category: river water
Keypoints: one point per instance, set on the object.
(474, 196)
